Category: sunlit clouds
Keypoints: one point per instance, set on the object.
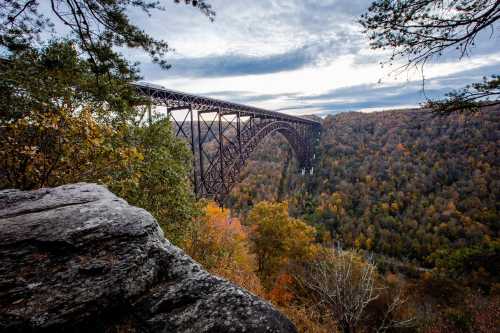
(297, 57)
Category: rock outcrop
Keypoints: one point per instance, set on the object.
(76, 258)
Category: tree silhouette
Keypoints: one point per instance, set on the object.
(422, 30)
(97, 26)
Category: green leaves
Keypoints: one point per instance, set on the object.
(64, 126)
(96, 26)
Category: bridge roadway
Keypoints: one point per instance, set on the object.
(222, 135)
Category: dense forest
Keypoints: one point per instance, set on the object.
(413, 192)
(407, 184)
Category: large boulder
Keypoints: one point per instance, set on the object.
(76, 258)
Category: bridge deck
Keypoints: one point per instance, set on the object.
(176, 99)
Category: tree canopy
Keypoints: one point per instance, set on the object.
(58, 127)
(97, 26)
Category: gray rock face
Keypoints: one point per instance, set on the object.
(78, 259)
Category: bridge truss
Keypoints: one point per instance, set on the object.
(222, 135)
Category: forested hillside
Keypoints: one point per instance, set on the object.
(407, 184)
(415, 193)
(266, 176)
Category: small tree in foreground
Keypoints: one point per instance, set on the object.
(347, 287)
(277, 239)
(57, 127)
(343, 283)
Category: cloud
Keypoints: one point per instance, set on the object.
(260, 37)
(245, 97)
(288, 55)
(233, 64)
(367, 96)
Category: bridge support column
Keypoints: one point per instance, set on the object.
(221, 152)
(241, 161)
(193, 150)
(202, 188)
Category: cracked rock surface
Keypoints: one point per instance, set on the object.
(76, 258)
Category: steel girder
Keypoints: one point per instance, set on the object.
(222, 135)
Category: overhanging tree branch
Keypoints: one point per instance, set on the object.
(96, 25)
(422, 30)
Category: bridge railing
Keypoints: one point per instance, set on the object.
(177, 99)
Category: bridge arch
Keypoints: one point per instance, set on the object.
(221, 177)
(286, 129)
(222, 135)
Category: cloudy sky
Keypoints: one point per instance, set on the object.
(296, 56)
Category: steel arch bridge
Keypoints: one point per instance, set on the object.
(222, 135)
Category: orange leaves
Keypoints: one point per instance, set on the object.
(227, 232)
(401, 147)
(270, 243)
(280, 293)
(220, 243)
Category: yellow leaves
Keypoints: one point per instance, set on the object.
(214, 212)
(226, 227)
(219, 242)
(333, 203)
(278, 239)
(369, 243)
(357, 243)
(56, 146)
(301, 237)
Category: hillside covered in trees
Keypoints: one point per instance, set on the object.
(416, 192)
(407, 184)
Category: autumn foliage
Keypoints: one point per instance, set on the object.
(278, 239)
(220, 243)
(58, 126)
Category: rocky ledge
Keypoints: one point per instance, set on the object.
(76, 258)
